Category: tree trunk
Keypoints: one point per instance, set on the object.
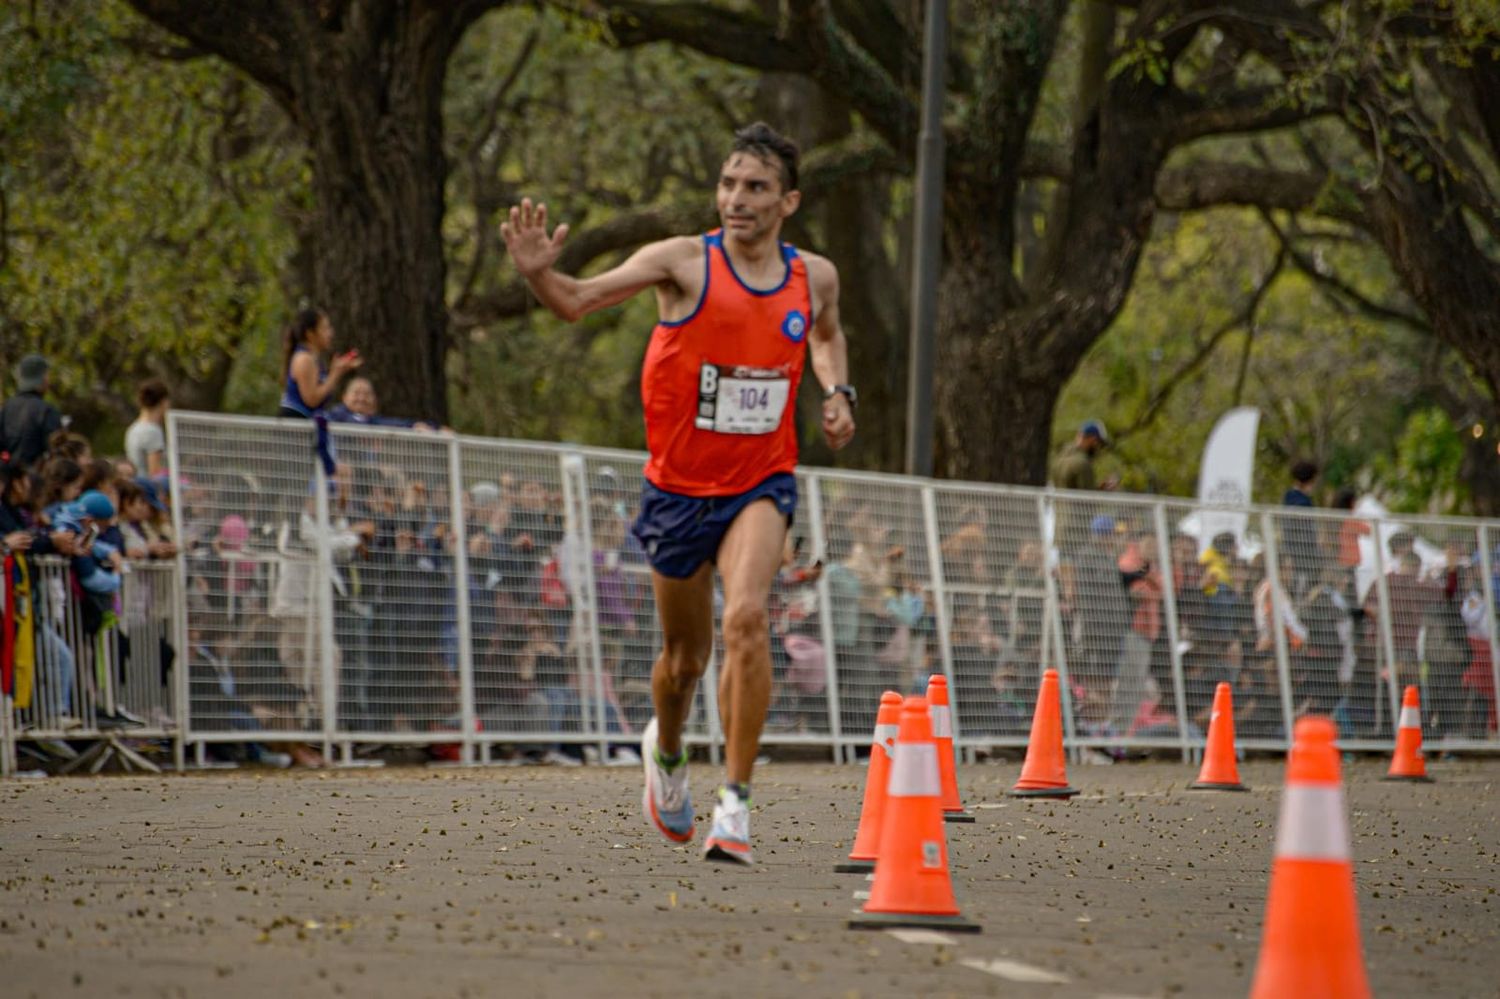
(378, 265)
(364, 83)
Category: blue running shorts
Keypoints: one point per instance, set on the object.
(680, 533)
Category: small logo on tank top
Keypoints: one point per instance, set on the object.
(794, 326)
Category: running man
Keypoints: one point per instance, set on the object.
(719, 384)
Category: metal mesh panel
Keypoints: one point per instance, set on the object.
(536, 619)
(1438, 629)
(64, 695)
(994, 582)
(1214, 572)
(533, 670)
(390, 535)
(146, 647)
(244, 513)
(628, 626)
(884, 631)
(799, 665)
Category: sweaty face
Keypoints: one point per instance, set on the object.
(751, 201)
(360, 397)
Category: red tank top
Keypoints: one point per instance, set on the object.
(720, 387)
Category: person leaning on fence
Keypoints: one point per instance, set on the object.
(309, 384)
(27, 419)
(35, 644)
(360, 405)
(146, 438)
(141, 509)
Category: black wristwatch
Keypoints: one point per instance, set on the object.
(846, 390)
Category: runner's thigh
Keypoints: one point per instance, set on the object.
(751, 553)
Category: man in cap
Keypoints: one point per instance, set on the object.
(1074, 468)
(27, 420)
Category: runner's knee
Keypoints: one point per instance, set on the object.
(685, 659)
(746, 625)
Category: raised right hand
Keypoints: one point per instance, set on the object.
(526, 238)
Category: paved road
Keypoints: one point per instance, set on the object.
(527, 882)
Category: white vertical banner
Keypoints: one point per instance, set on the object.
(1226, 476)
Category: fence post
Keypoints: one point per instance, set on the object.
(1278, 631)
(1174, 630)
(1387, 633)
(1054, 611)
(940, 604)
(327, 649)
(1487, 566)
(7, 737)
(463, 620)
(825, 614)
(578, 547)
(181, 668)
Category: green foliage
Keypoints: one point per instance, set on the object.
(1423, 475)
(145, 230)
(596, 133)
(1331, 385)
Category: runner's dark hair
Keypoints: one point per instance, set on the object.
(765, 143)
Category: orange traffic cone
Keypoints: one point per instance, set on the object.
(942, 734)
(1219, 771)
(867, 839)
(1310, 945)
(1407, 763)
(1045, 772)
(912, 887)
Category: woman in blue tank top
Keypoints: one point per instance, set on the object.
(309, 384)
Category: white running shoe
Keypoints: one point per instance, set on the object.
(729, 839)
(666, 801)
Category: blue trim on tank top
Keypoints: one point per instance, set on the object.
(702, 296)
(785, 256)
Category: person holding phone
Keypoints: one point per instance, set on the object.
(309, 384)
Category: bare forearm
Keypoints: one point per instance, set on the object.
(830, 359)
(560, 293)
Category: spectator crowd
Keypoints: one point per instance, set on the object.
(264, 538)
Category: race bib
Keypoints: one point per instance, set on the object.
(733, 399)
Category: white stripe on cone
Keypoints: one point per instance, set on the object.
(942, 721)
(1411, 718)
(1312, 825)
(914, 772)
(885, 738)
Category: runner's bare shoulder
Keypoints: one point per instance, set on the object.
(823, 276)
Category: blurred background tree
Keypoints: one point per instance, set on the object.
(1153, 214)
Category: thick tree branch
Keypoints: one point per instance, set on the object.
(253, 36)
(1252, 110)
(814, 45)
(1206, 185)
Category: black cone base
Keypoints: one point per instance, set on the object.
(854, 867)
(1208, 785)
(958, 816)
(1410, 780)
(1042, 792)
(897, 920)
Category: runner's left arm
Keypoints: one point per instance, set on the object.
(830, 351)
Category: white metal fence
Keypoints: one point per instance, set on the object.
(478, 593)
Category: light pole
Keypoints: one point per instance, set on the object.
(929, 243)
